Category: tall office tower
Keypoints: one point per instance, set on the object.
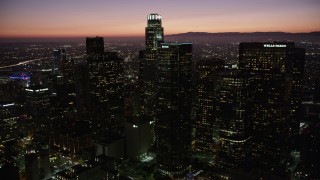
(277, 71)
(137, 136)
(9, 116)
(234, 96)
(38, 107)
(59, 55)
(68, 67)
(206, 70)
(173, 125)
(82, 91)
(316, 92)
(148, 65)
(9, 171)
(94, 45)
(297, 87)
(105, 86)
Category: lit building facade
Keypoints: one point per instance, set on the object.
(234, 96)
(59, 55)
(38, 108)
(138, 137)
(173, 125)
(9, 120)
(106, 88)
(148, 63)
(206, 71)
(277, 69)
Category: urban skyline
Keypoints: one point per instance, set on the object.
(165, 107)
(36, 18)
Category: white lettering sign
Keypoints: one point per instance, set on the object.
(274, 45)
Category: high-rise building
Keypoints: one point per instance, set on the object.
(206, 70)
(38, 107)
(68, 67)
(82, 91)
(148, 63)
(94, 45)
(234, 93)
(173, 125)
(9, 115)
(59, 55)
(154, 32)
(105, 87)
(277, 69)
(138, 138)
(296, 100)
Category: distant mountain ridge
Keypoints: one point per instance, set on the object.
(197, 34)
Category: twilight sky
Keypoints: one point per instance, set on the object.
(75, 18)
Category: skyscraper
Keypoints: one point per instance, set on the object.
(234, 93)
(94, 45)
(38, 107)
(148, 65)
(59, 55)
(173, 125)
(206, 70)
(9, 116)
(105, 85)
(277, 70)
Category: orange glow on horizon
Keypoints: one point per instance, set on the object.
(39, 18)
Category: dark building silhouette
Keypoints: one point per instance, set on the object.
(94, 45)
(316, 92)
(206, 73)
(32, 166)
(277, 70)
(173, 125)
(72, 136)
(59, 55)
(9, 116)
(38, 107)
(8, 171)
(68, 67)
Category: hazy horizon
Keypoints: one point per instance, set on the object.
(124, 18)
(142, 36)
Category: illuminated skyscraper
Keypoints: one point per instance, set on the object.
(9, 120)
(206, 71)
(277, 69)
(148, 65)
(233, 99)
(59, 55)
(105, 85)
(173, 125)
(38, 107)
(154, 32)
